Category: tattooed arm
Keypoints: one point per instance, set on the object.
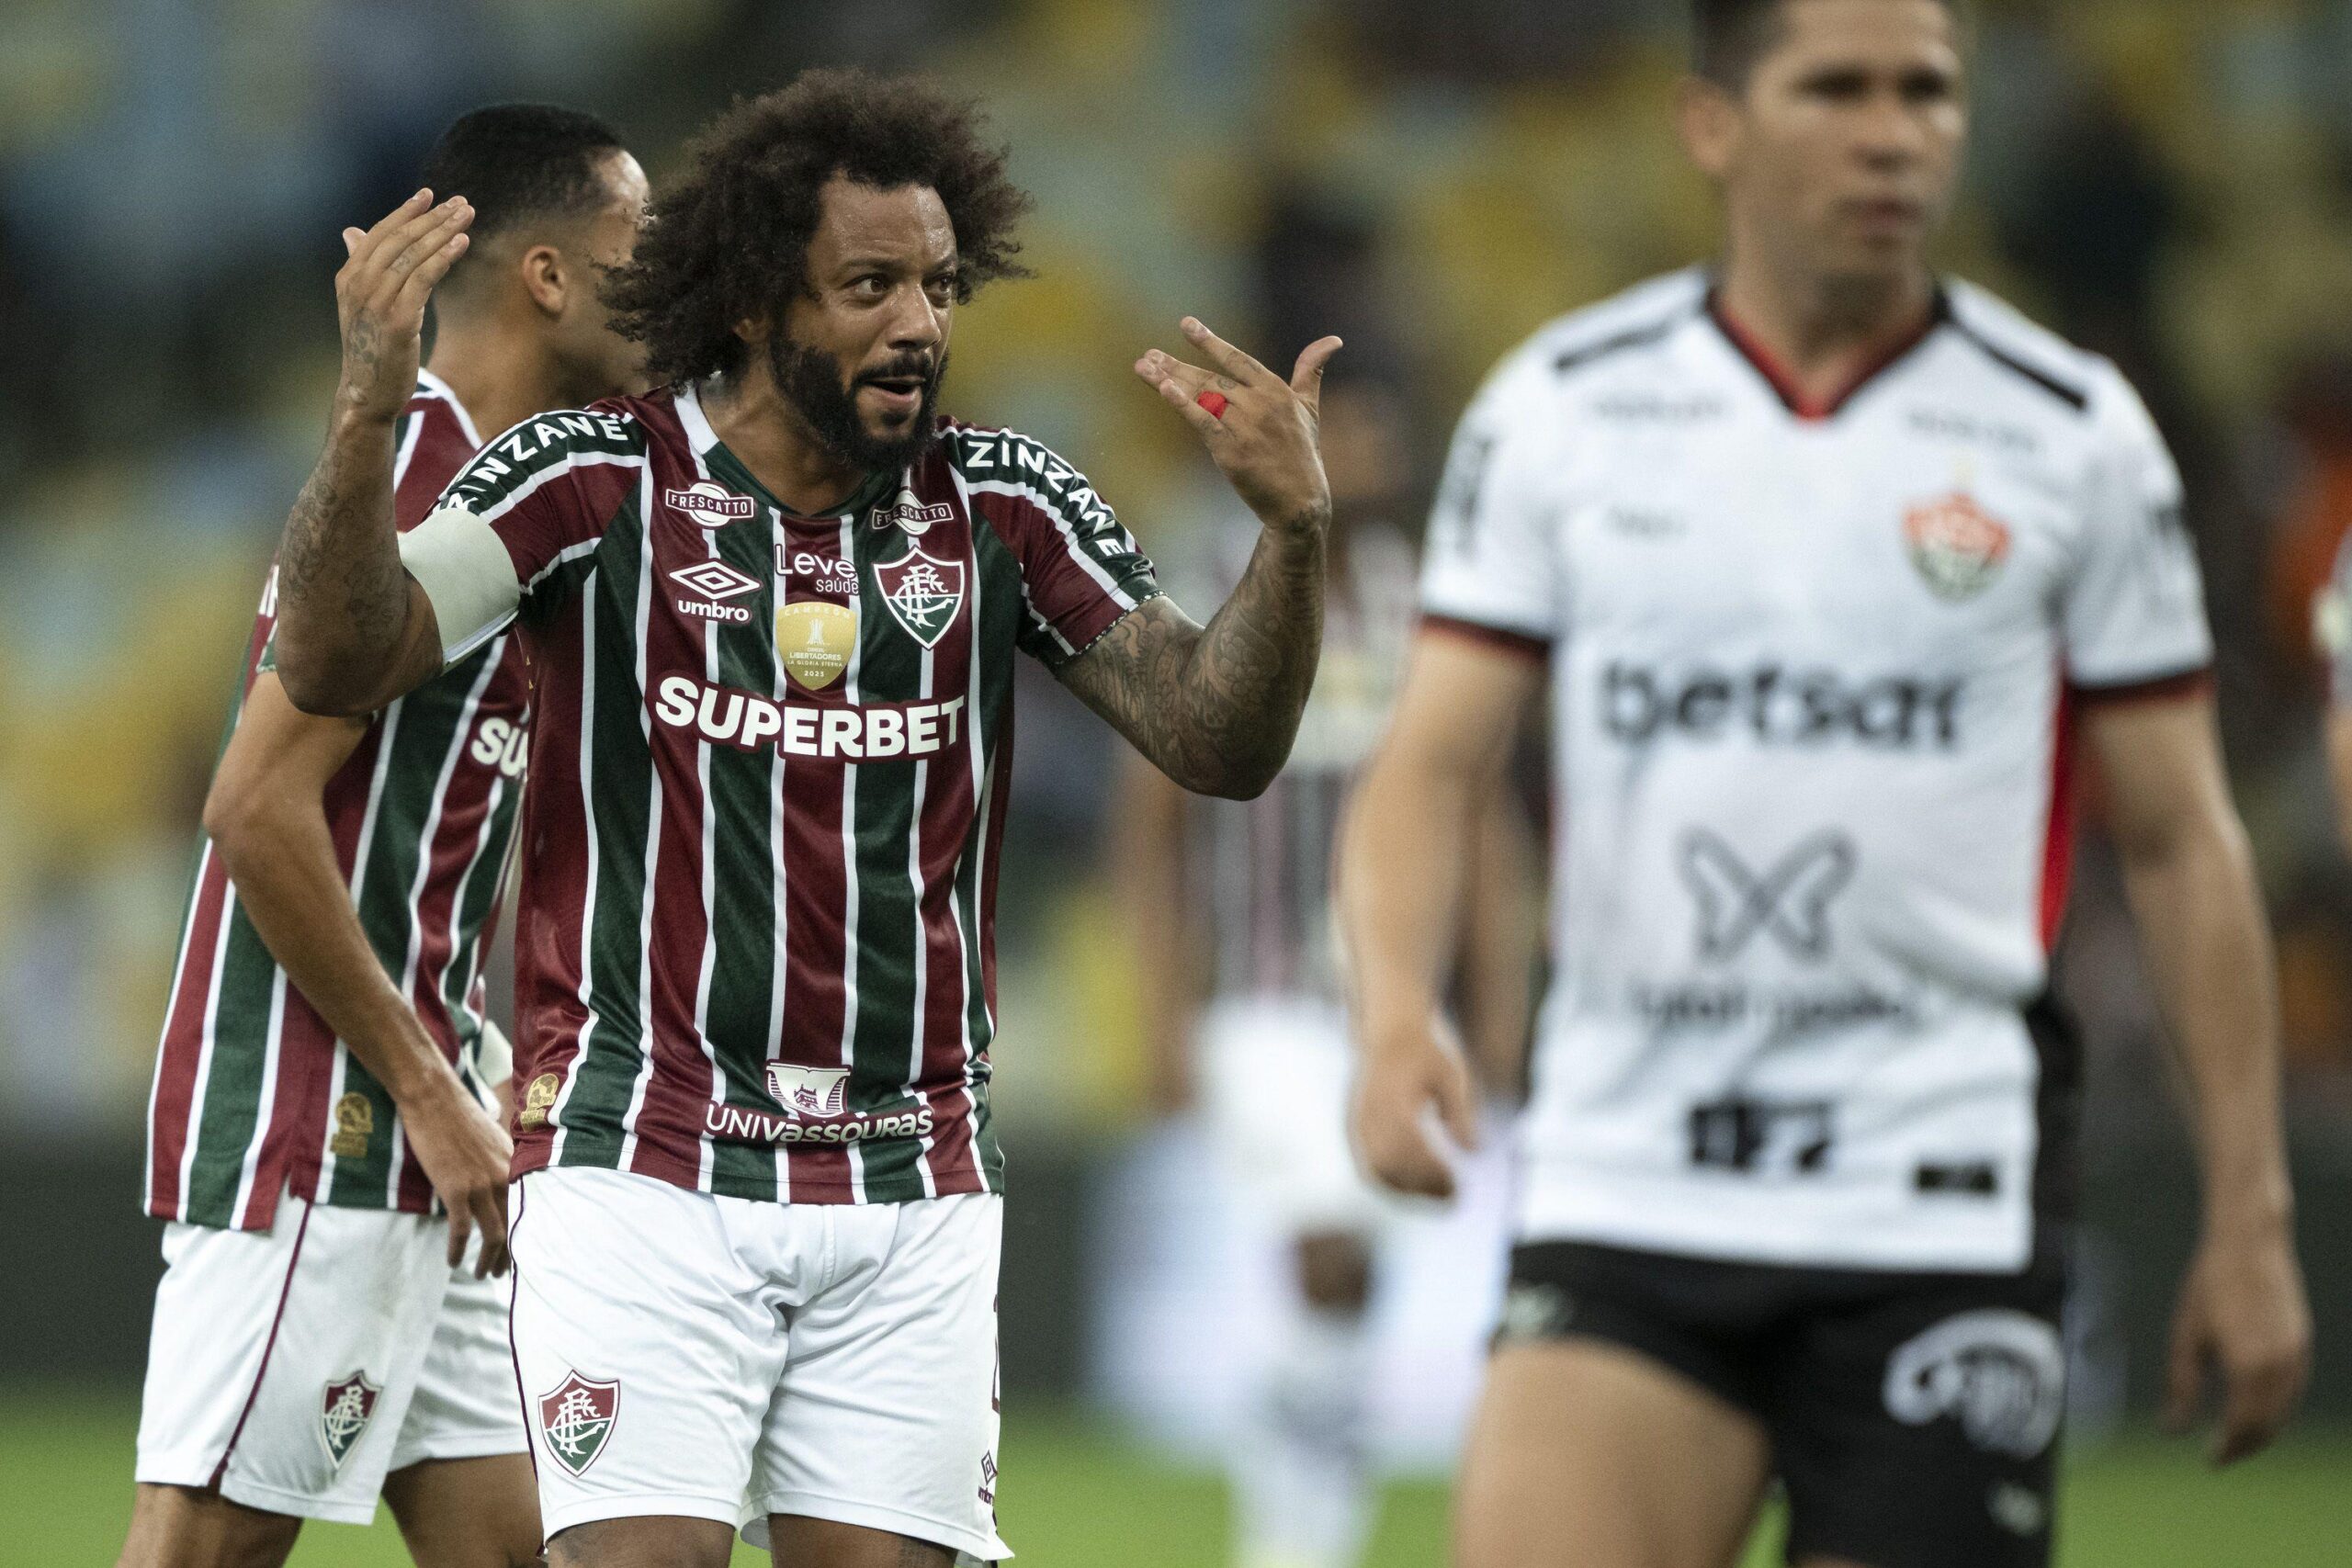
(1216, 707)
(353, 630)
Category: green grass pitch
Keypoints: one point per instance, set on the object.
(1076, 1494)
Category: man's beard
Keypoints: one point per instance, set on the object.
(811, 382)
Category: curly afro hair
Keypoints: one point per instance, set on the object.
(731, 242)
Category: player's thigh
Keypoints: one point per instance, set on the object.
(647, 1347)
(1916, 1423)
(799, 1541)
(461, 1484)
(885, 1418)
(648, 1541)
(182, 1527)
(1586, 1454)
(467, 1513)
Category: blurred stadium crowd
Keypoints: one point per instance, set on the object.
(2168, 181)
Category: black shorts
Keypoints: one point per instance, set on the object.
(1912, 1418)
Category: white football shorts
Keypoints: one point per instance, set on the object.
(1276, 1075)
(684, 1353)
(293, 1368)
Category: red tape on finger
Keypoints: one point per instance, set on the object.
(1213, 401)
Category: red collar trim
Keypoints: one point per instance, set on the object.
(1784, 385)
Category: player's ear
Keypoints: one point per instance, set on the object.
(755, 330)
(547, 278)
(1707, 117)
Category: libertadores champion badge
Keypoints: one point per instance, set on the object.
(814, 639)
(1957, 546)
(539, 1100)
(923, 593)
(355, 1124)
(344, 1414)
(575, 1418)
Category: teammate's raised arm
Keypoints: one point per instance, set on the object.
(1404, 854)
(354, 630)
(1216, 707)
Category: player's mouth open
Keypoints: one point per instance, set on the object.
(899, 394)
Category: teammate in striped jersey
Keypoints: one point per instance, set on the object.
(773, 609)
(326, 1076)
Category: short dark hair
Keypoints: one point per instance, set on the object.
(730, 243)
(517, 162)
(1729, 37)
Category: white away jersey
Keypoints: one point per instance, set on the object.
(1812, 669)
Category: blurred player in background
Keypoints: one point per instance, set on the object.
(1237, 961)
(327, 1072)
(1830, 567)
(774, 610)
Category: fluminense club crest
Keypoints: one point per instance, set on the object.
(576, 1416)
(923, 593)
(809, 1091)
(345, 1412)
(1957, 546)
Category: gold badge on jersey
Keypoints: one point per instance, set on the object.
(815, 639)
(355, 1124)
(538, 1099)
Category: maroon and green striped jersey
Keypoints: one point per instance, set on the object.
(254, 1095)
(754, 934)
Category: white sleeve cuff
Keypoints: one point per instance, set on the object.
(465, 571)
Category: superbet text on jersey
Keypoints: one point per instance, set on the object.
(1812, 675)
(754, 942)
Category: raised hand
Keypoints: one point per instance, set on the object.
(381, 295)
(1264, 437)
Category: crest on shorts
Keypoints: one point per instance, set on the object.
(355, 1124)
(814, 639)
(923, 593)
(1957, 547)
(539, 1100)
(809, 1091)
(575, 1417)
(2001, 1374)
(344, 1414)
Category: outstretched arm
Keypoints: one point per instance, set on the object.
(2189, 877)
(353, 630)
(1216, 707)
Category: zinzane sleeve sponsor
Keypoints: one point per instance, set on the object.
(1080, 571)
(515, 528)
(2134, 608)
(1490, 566)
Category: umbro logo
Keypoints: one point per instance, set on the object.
(715, 581)
(708, 504)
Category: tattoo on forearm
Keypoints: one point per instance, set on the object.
(339, 576)
(1216, 707)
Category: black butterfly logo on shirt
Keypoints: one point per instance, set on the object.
(1790, 899)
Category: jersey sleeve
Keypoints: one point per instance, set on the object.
(1081, 572)
(1489, 568)
(513, 531)
(2134, 607)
